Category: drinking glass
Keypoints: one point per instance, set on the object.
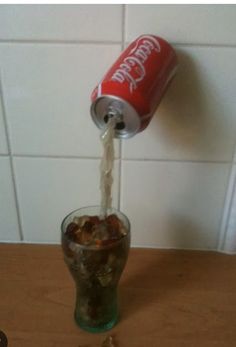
(96, 271)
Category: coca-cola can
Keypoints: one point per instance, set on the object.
(133, 87)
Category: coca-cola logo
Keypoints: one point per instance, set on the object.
(132, 69)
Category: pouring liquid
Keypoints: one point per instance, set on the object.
(106, 166)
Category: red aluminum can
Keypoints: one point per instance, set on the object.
(133, 87)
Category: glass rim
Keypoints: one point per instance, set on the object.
(93, 247)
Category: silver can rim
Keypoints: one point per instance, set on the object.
(121, 134)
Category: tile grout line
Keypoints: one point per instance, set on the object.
(60, 42)
(107, 42)
(185, 161)
(11, 161)
(207, 45)
(48, 156)
(123, 27)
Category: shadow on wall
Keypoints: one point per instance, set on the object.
(187, 118)
(184, 232)
(186, 114)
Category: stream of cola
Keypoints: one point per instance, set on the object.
(106, 166)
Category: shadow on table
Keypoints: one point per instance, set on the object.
(153, 276)
(150, 282)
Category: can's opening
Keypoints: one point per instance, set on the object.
(106, 117)
(120, 125)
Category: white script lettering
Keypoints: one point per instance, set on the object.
(132, 69)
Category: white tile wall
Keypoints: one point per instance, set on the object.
(227, 239)
(48, 98)
(61, 22)
(174, 176)
(229, 242)
(3, 140)
(9, 230)
(174, 204)
(49, 189)
(196, 119)
(205, 24)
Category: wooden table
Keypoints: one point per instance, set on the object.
(167, 298)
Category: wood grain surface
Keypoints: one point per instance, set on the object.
(167, 298)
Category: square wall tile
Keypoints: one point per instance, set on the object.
(196, 118)
(3, 139)
(206, 24)
(49, 189)
(48, 98)
(61, 22)
(9, 230)
(177, 205)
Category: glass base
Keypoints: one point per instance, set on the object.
(96, 329)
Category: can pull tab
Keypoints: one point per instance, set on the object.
(114, 111)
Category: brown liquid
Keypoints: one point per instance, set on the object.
(106, 166)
